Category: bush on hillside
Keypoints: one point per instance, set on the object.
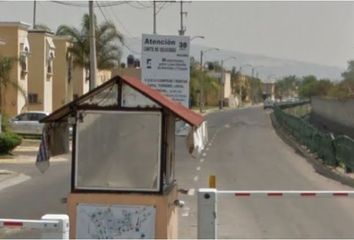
(8, 141)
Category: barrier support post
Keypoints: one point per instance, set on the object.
(63, 227)
(207, 214)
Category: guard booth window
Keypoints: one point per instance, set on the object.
(118, 151)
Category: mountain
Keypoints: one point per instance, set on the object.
(268, 68)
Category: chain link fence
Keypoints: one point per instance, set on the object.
(333, 150)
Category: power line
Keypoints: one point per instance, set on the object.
(142, 6)
(120, 23)
(161, 7)
(84, 5)
(146, 6)
(123, 43)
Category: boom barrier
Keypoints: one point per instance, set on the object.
(52, 226)
(207, 204)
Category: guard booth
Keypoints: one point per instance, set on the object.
(123, 160)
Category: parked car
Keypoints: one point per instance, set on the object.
(28, 123)
(268, 103)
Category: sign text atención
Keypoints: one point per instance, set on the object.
(165, 65)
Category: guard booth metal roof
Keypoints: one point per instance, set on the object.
(115, 86)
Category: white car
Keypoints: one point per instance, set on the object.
(268, 103)
(28, 123)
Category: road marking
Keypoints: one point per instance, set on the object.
(202, 160)
(191, 192)
(196, 178)
(198, 168)
(185, 212)
(204, 154)
(14, 181)
(207, 149)
(210, 144)
(227, 126)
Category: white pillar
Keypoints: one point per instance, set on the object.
(62, 232)
(207, 214)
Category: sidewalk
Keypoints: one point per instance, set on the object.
(26, 153)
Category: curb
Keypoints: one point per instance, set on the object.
(9, 178)
(225, 109)
(310, 158)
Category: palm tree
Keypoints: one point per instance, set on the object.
(107, 43)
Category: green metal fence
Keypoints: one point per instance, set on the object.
(332, 150)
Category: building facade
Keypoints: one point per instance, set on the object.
(63, 77)
(40, 76)
(15, 45)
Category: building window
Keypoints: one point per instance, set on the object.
(33, 98)
(87, 74)
(23, 65)
(49, 67)
(70, 69)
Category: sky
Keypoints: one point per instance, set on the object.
(315, 32)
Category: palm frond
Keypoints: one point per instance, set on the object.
(107, 40)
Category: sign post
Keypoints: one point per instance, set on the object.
(165, 65)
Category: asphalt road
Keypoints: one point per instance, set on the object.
(246, 154)
(40, 195)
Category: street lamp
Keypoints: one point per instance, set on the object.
(201, 100)
(222, 81)
(199, 36)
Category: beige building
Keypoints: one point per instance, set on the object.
(40, 76)
(63, 79)
(103, 76)
(81, 81)
(14, 44)
(268, 90)
(130, 72)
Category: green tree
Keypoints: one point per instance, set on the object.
(346, 87)
(286, 86)
(308, 86)
(349, 74)
(255, 89)
(6, 64)
(323, 87)
(107, 43)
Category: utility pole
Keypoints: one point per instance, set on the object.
(34, 13)
(241, 85)
(201, 94)
(154, 18)
(93, 60)
(182, 13)
(252, 85)
(221, 99)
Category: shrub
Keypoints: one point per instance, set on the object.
(4, 122)
(8, 141)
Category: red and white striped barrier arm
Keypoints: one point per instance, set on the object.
(287, 193)
(207, 204)
(29, 224)
(52, 226)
